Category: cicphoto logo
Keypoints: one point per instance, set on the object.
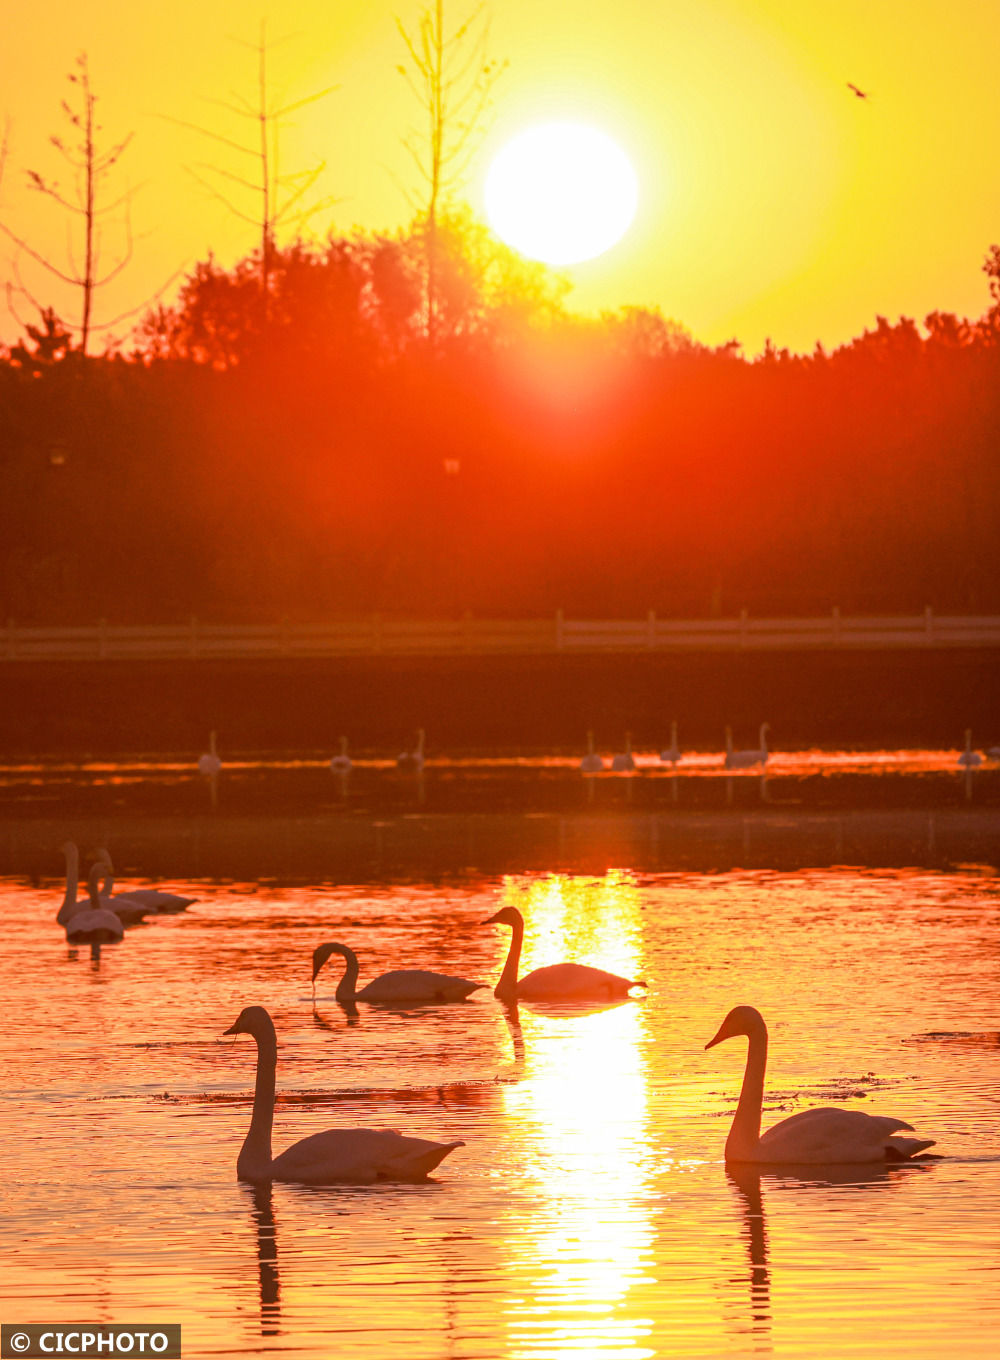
(28, 1341)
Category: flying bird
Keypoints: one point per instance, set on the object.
(861, 94)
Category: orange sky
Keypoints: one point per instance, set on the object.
(773, 202)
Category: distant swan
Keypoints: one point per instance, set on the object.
(745, 760)
(151, 900)
(811, 1137)
(624, 760)
(358, 1156)
(558, 981)
(342, 763)
(95, 924)
(412, 762)
(591, 763)
(970, 758)
(402, 986)
(671, 754)
(209, 763)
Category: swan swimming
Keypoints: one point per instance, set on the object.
(591, 763)
(210, 763)
(403, 986)
(341, 763)
(811, 1137)
(72, 905)
(151, 900)
(671, 754)
(745, 760)
(95, 924)
(969, 758)
(624, 760)
(557, 981)
(412, 762)
(336, 1156)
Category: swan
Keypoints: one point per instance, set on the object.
(72, 905)
(624, 760)
(557, 982)
(210, 763)
(591, 763)
(811, 1137)
(671, 754)
(745, 760)
(412, 762)
(150, 900)
(341, 764)
(359, 1156)
(94, 924)
(970, 758)
(402, 986)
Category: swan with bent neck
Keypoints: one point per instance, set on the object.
(403, 986)
(825, 1136)
(94, 924)
(557, 981)
(336, 1156)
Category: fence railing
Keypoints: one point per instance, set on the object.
(378, 636)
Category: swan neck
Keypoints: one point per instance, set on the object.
(348, 984)
(745, 1132)
(72, 884)
(254, 1160)
(507, 986)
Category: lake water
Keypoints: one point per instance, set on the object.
(590, 1213)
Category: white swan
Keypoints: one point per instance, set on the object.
(152, 901)
(73, 905)
(811, 1137)
(210, 763)
(358, 1156)
(591, 763)
(94, 924)
(671, 754)
(969, 758)
(401, 987)
(624, 760)
(558, 981)
(342, 763)
(745, 760)
(412, 762)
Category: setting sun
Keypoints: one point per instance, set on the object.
(561, 192)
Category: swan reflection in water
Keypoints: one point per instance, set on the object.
(262, 1214)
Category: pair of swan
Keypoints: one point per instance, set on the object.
(558, 982)
(130, 906)
(412, 762)
(825, 1136)
(746, 760)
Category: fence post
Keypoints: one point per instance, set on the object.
(651, 629)
(559, 630)
(836, 625)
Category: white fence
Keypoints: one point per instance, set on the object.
(394, 637)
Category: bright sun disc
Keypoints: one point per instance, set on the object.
(561, 192)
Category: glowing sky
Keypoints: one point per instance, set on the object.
(773, 202)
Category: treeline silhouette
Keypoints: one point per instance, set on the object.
(303, 452)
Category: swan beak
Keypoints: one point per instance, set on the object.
(232, 1028)
(491, 921)
(717, 1040)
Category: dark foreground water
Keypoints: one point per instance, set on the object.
(590, 1212)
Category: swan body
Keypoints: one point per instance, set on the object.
(412, 762)
(94, 924)
(745, 760)
(671, 754)
(336, 1156)
(624, 760)
(404, 986)
(591, 763)
(341, 763)
(557, 981)
(969, 758)
(811, 1137)
(151, 901)
(210, 763)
